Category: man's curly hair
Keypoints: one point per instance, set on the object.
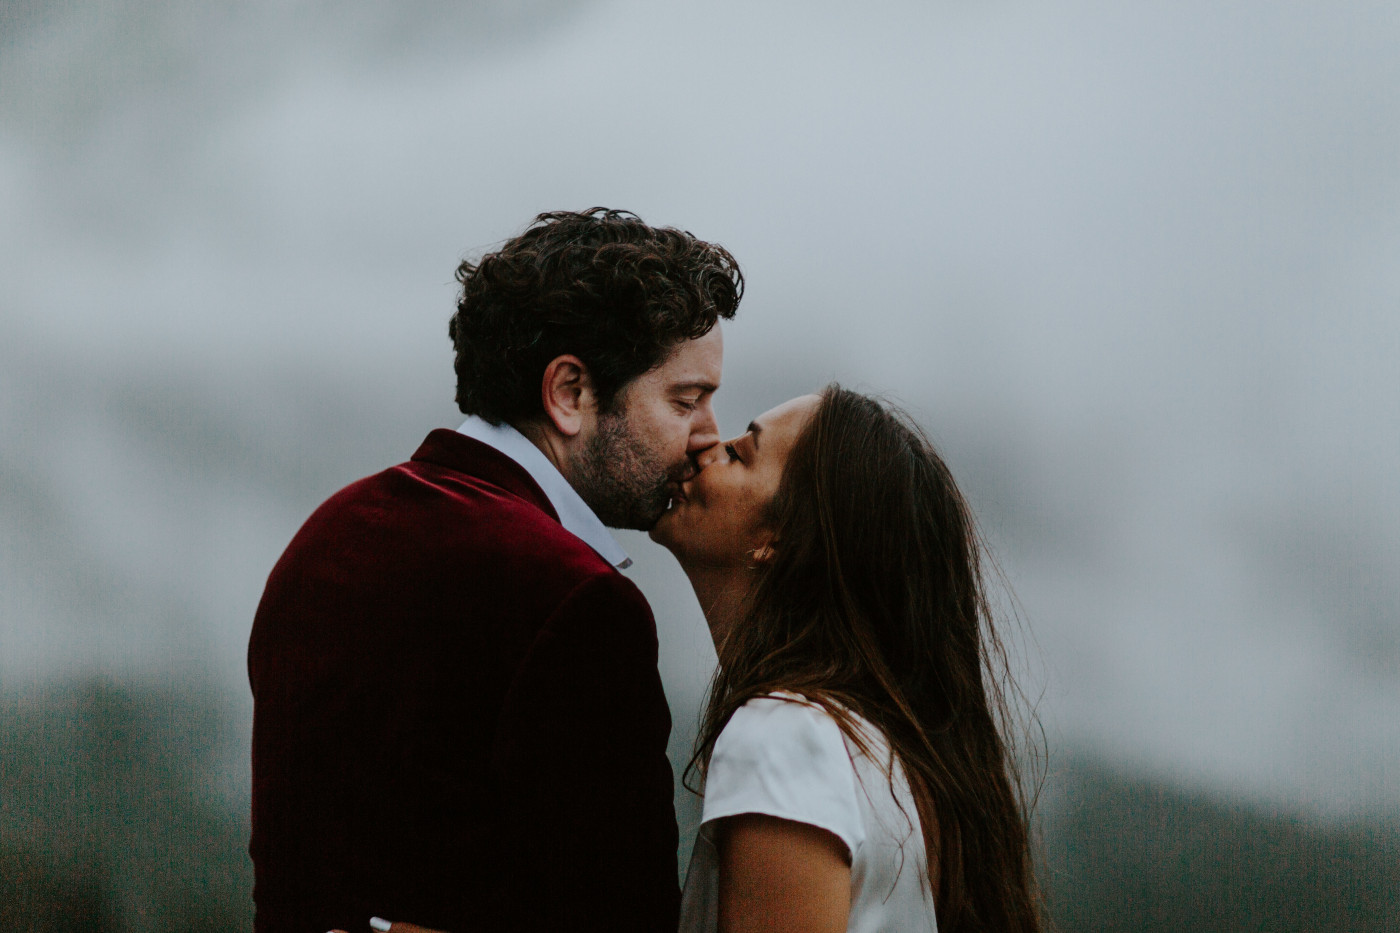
(601, 285)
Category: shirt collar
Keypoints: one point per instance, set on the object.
(574, 513)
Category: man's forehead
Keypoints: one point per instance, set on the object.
(695, 363)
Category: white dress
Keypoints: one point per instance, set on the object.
(787, 758)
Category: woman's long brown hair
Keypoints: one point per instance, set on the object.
(874, 603)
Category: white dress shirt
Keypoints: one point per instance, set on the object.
(574, 513)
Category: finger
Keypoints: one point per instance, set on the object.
(380, 925)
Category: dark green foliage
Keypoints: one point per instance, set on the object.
(38, 897)
(109, 822)
(1131, 855)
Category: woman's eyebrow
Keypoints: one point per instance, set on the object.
(755, 430)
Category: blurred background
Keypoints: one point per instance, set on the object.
(1136, 267)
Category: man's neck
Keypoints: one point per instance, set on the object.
(548, 443)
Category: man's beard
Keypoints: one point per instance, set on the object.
(625, 484)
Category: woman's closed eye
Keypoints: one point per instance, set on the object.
(733, 454)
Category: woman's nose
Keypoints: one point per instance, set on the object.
(709, 455)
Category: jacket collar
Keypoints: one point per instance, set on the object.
(448, 449)
(507, 450)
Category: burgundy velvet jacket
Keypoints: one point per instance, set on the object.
(457, 715)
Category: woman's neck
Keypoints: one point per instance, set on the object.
(723, 593)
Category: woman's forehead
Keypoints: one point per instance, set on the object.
(789, 415)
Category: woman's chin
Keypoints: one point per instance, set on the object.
(668, 532)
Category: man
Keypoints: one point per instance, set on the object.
(458, 718)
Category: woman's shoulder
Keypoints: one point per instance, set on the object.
(782, 723)
(784, 756)
(792, 714)
(783, 704)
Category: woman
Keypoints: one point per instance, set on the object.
(855, 776)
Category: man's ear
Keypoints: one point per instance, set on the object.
(566, 391)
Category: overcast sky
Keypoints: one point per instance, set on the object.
(1134, 266)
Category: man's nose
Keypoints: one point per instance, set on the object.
(708, 456)
(704, 432)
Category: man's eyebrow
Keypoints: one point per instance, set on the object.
(755, 430)
(699, 386)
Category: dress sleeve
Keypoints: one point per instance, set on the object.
(784, 758)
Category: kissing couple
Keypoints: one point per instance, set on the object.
(458, 719)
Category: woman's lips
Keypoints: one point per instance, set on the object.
(678, 495)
